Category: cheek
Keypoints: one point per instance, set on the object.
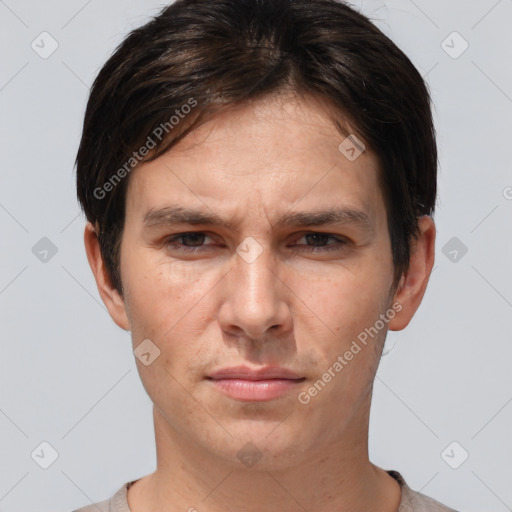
(339, 315)
(163, 296)
(343, 302)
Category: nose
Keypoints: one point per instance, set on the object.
(256, 299)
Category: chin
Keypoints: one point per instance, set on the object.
(263, 446)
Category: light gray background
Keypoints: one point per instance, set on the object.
(67, 374)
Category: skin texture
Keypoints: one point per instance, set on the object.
(291, 307)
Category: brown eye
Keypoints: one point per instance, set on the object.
(318, 242)
(191, 241)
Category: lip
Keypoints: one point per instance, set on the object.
(248, 385)
(246, 373)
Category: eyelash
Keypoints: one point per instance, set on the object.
(340, 242)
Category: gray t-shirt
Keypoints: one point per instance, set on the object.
(411, 501)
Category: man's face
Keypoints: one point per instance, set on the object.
(263, 292)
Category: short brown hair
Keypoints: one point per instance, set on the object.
(216, 53)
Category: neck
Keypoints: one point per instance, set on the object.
(334, 477)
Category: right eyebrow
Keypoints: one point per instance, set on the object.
(170, 215)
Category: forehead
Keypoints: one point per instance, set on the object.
(276, 152)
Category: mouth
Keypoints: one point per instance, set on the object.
(255, 385)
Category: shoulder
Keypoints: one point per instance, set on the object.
(413, 501)
(117, 503)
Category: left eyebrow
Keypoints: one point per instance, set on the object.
(330, 216)
(170, 215)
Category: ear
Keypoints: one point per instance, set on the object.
(413, 284)
(110, 296)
